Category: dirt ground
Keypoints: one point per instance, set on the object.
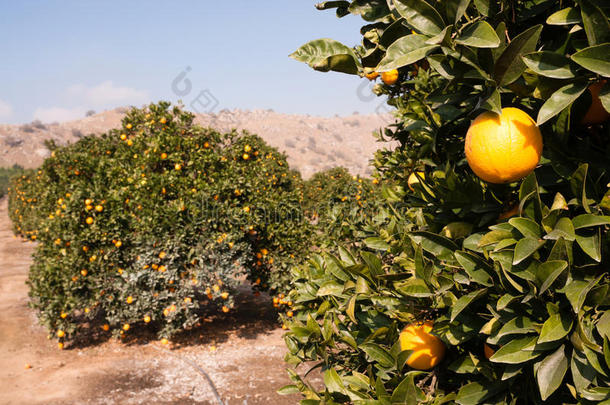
(242, 352)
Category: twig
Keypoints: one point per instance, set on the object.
(199, 370)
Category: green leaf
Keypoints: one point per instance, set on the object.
(566, 16)
(551, 64)
(551, 371)
(595, 58)
(373, 262)
(493, 102)
(351, 308)
(590, 220)
(509, 65)
(476, 393)
(378, 354)
(407, 392)
(582, 372)
(564, 228)
(595, 22)
(525, 248)
(527, 227)
(376, 243)
(326, 55)
(478, 270)
(479, 35)
(548, 272)
(330, 288)
(288, 390)
(333, 382)
(413, 287)
(591, 245)
(555, 328)
(420, 15)
(463, 302)
(520, 325)
(370, 11)
(517, 351)
(405, 51)
(560, 100)
(439, 246)
(456, 9)
(577, 290)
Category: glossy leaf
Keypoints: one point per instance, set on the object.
(479, 35)
(595, 58)
(405, 51)
(560, 100)
(509, 65)
(420, 15)
(326, 55)
(555, 328)
(551, 372)
(551, 64)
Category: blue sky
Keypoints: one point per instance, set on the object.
(62, 58)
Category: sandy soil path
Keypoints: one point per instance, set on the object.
(242, 352)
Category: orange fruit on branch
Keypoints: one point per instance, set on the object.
(596, 114)
(390, 77)
(372, 75)
(503, 148)
(428, 350)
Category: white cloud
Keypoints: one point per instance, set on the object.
(106, 93)
(6, 110)
(97, 97)
(59, 114)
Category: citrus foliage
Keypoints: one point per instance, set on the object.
(6, 173)
(512, 276)
(155, 223)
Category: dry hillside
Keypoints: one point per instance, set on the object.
(311, 143)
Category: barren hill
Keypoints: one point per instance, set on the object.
(311, 143)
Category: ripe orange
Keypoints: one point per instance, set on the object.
(146, 319)
(503, 148)
(106, 327)
(163, 120)
(129, 299)
(428, 350)
(128, 126)
(178, 166)
(289, 314)
(123, 137)
(162, 255)
(164, 341)
(390, 77)
(99, 208)
(596, 114)
(513, 211)
(164, 156)
(225, 309)
(89, 220)
(488, 351)
(372, 76)
(83, 273)
(63, 315)
(224, 295)
(126, 327)
(245, 156)
(60, 345)
(88, 201)
(61, 333)
(247, 148)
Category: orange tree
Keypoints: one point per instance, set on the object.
(488, 282)
(156, 222)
